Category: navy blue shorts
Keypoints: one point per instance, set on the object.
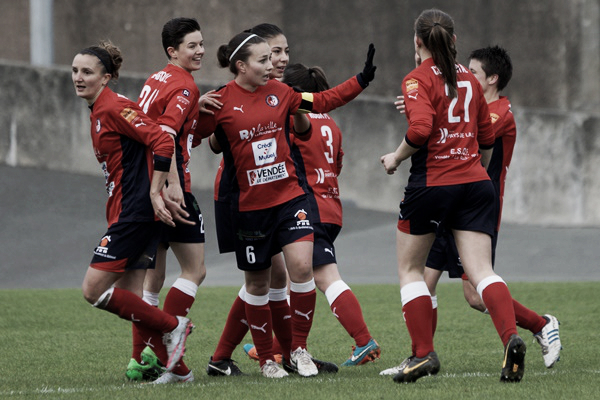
(127, 246)
(443, 255)
(261, 234)
(182, 233)
(224, 225)
(323, 250)
(467, 207)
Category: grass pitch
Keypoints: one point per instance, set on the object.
(54, 345)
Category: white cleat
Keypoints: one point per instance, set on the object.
(549, 340)
(302, 361)
(175, 341)
(271, 369)
(169, 377)
(397, 369)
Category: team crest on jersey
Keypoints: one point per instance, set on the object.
(98, 125)
(272, 100)
(494, 117)
(186, 93)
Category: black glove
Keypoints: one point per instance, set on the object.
(368, 73)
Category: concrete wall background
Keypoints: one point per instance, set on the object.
(555, 90)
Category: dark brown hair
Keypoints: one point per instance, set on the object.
(225, 50)
(306, 79)
(436, 29)
(109, 56)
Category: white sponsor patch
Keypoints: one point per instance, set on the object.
(265, 151)
(268, 174)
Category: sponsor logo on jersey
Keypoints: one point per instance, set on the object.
(494, 117)
(247, 134)
(265, 151)
(129, 114)
(412, 84)
(263, 175)
(269, 129)
(320, 175)
(412, 89)
(110, 186)
(318, 116)
(444, 135)
(272, 100)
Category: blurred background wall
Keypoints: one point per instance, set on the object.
(555, 89)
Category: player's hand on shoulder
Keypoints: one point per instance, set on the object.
(209, 99)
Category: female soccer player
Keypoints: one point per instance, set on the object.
(320, 159)
(269, 207)
(135, 155)
(170, 97)
(449, 188)
(235, 330)
(492, 67)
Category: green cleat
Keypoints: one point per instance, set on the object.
(148, 370)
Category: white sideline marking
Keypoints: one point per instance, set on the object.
(61, 390)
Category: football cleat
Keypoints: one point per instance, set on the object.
(175, 341)
(226, 367)
(513, 365)
(149, 369)
(418, 367)
(322, 366)
(271, 369)
(250, 350)
(302, 362)
(364, 354)
(549, 340)
(397, 369)
(169, 377)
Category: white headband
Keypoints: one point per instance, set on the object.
(240, 46)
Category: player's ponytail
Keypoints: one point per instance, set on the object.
(306, 79)
(436, 29)
(237, 49)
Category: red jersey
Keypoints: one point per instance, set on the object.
(121, 135)
(447, 131)
(252, 129)
(320, 158)
(505, 130)
(170, 97)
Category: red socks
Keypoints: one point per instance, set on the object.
(234, 331)
(418, 314)
(347, 310)
(499, 303)
(303, 298)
